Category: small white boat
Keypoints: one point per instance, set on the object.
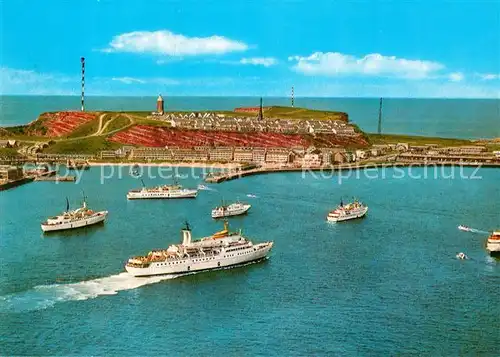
(464, 228)
(203, 188)
(462, 256)
(251, 196)
(234, 209)
(78, 218)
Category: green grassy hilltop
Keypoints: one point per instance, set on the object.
(92, 137)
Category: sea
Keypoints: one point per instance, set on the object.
(387, 284)
(451, 118)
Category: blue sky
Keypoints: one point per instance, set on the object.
(185, 47)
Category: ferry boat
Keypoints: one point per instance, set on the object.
(493, 243)
(346, 212)
(220, 250)
(71, 219)
(234, 209)
(162, 192)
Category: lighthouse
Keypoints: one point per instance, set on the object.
(159, 105)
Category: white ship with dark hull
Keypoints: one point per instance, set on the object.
(347, 212)
(493, 243)
(234, 209)
(72, 219)
(162, 192)
(221, 250)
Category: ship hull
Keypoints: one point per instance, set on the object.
(223, 214)
(493, 247)
(95, 219)
(161, 195)
(354, 215)
(188, 265)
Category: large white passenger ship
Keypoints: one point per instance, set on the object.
(162, 192)
(493, 243)
(222, 249)
(346, 212)
(234, 209)
(78, 218)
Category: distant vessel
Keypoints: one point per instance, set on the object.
(464, 228)
(135, 170)
(77, 165)
(234, 209)
(78, 218)
(251, 195)
(462, 256)
(162, 192)
(222, 249)
(346, 212)
(493, 243)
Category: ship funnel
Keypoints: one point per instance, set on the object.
(186, 235)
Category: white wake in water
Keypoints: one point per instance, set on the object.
(44, 296)
(206, 188)
(474, 230)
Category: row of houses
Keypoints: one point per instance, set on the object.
(34, 149)
(9, 173)
(64, 157)
(221, 122)
(301, 156)
(432, 149)
(409, 157)
(8, 143)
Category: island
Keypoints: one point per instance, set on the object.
(262, 139)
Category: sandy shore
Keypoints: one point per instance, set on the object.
(171, 164)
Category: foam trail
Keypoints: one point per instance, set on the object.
(44, 296)
(206, 188)
(473, 230)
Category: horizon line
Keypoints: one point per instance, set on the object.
(242, 96)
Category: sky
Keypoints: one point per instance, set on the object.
(416, 49)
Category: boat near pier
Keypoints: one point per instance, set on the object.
(162, 192)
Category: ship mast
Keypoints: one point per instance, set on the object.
(379, 129)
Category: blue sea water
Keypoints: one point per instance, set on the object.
(388, 284)
(460, 118)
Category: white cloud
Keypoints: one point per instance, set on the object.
(456, 76)
(259, 61)
(21, 81)
(488, 76)
(21, 76)
(167, 43)
(335, 63)
(128, 80)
